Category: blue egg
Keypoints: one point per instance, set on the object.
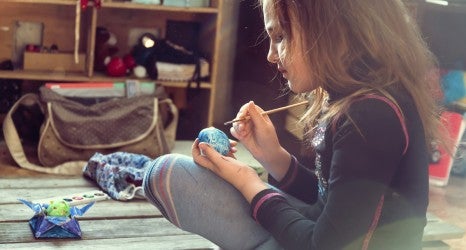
(216, 138)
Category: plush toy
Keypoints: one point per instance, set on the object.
(116, 67)
(105, 48)
(129, 61)
(140, 71)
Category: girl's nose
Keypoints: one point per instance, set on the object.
(272, 55)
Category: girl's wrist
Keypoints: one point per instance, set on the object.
(277, 163)
(252, 188)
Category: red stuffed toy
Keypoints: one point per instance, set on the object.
(105, 48)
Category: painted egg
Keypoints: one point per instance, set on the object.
(58, 209)
(216, 138)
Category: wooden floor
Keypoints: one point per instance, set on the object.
(135, 224)
(108, 224)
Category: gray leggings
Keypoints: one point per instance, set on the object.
(198, 201)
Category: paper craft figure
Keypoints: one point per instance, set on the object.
(55, 220)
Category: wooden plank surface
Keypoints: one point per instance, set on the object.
(100, 210)
(115, 224)
(50, 182)
(159, 242)
(108, 224)
(40, 193)
(14, 232)
(435, 245)
(441, 230)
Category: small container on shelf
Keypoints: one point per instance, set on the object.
(57, 62)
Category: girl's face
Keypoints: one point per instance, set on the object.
(290, 63)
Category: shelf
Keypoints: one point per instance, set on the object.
(138, 6)
(215, 39)
(80, 77)
(54, 2)
(125, 5)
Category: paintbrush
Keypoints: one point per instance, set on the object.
(268, 112)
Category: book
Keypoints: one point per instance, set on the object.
(129, 88)
(442, 162)
(89, 89)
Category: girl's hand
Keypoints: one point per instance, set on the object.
(258, 135)
(233, 148)
(238, 174)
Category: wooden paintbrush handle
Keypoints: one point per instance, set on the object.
(269, 112)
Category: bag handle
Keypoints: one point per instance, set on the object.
(170, 129)
(13, 142)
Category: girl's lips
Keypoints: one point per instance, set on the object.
(284, 72)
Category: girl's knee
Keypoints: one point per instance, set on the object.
(157, 168)
(156, 182)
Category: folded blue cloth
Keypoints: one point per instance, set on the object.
(119, 174)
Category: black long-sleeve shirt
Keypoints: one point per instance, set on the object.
(368, 188)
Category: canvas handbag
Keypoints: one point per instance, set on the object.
(72, 132)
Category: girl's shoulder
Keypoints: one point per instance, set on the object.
(374, 115)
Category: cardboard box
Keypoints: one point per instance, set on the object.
(62, 62)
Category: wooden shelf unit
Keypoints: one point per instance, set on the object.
(216, 42)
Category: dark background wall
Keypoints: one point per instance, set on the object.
(254, 77)
(444, 29)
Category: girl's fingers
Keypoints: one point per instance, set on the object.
(255, 114)
(207, 150)
(214, 157)
(195, 148)
(198, 157)
(233, 143)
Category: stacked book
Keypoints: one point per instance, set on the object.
(129, 88)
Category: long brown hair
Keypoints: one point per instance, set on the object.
(356, 47)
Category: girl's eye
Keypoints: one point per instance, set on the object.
(277, 39)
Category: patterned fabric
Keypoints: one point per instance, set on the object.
(88, 125)
(157, 191)
(119, 174)
(73, 131)
(316, 141)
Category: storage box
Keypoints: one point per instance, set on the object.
(63, 62)
(187, 3)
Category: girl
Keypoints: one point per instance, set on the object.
(364, 67)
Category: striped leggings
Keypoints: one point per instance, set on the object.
(198, 201)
